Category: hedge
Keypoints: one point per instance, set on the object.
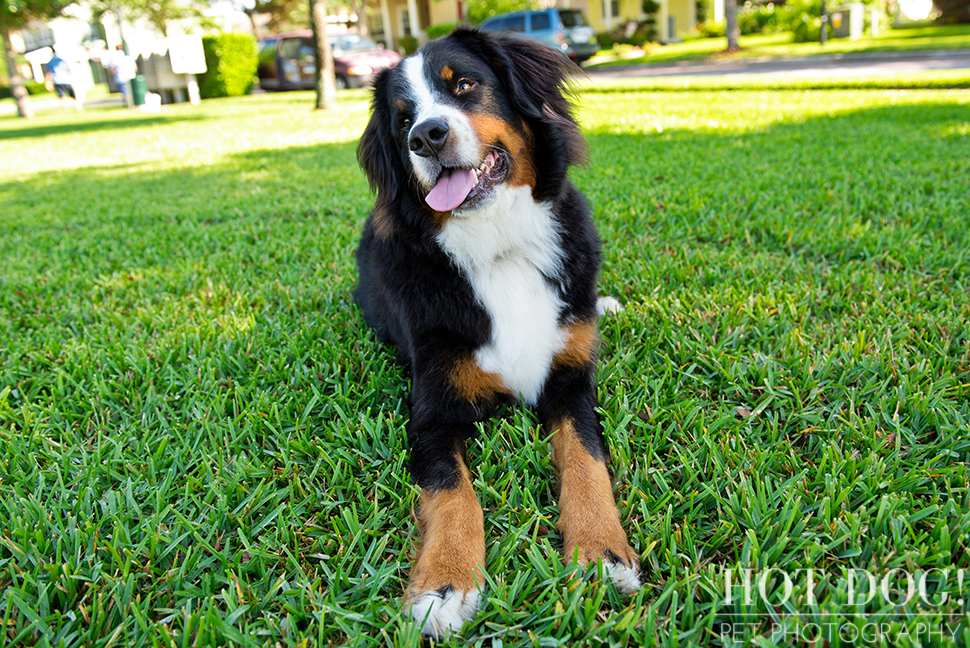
(33, 88)
(231, 62)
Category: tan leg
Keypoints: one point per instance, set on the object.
(447, 574)
(589, 520)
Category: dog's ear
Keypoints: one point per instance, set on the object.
(377, 152)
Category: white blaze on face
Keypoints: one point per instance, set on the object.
(464, 148)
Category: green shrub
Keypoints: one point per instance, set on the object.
(33, 88)
(803, 19)
(409, 44)
(231, 63)
(437, 31)
(712, 28)
(758, 19)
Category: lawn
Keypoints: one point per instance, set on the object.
(773, 45)
(201, 443)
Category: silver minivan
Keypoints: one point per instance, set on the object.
(563, 29)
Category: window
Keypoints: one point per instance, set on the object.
(406, 22)
(574, 18)
(541, 22)
(516, 24)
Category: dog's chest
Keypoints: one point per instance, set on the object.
(510, 253)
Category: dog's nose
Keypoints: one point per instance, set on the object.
(428, 137)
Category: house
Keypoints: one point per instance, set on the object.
(391, 20)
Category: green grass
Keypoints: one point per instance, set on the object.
(201, 443)
(775, 45)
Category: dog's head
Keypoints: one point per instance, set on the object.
(468, 116)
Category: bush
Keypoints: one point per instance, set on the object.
(803, 19)
(437, 31)
(712, 29)
(409, 44)
(758, 19)
(231, 63)
(635, 34)
(33, 88)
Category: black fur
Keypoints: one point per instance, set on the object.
(411, 292)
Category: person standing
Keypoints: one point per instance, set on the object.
(58, 78)
(123, 70)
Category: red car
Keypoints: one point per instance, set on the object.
(286, 60)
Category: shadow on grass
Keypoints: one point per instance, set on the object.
(852, 185)
(22, 128)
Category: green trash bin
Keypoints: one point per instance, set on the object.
(139, 88)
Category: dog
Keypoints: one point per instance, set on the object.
(479, 263)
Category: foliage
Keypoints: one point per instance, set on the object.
(14, 14)
(712, 29)
(758, 18)
(158, 13)
(953, 11)
(645, 32)
(231, 62)
(478, 10)
(437, 31)
(32, 87)
(409, 44)
(803, 19)
(280, 12)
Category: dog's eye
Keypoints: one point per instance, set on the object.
(464, 86)
(405, 123)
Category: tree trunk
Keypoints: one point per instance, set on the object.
(24, 109)
(325, 82)
(731, 17)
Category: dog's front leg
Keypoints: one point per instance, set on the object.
(589, 519)
(447, 575)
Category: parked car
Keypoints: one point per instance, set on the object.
(562, 29)
(286, 60)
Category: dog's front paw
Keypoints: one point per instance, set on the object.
(621, 566)
(442, 611)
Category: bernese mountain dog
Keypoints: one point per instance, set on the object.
(479, 263)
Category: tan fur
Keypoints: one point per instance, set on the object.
(452, 531)
(473, 383)
(579, 349)
(383, 226)
(447, 73)
(589, 520)
(494, 132)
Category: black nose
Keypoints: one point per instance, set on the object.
(428, 137)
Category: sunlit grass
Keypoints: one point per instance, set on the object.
(201, 443)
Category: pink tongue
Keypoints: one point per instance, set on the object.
(451, 190)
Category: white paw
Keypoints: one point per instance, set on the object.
(626, 579)
(443, 611)
(608, 306)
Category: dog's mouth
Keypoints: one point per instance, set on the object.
(459, 186)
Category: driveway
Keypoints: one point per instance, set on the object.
(838, 65)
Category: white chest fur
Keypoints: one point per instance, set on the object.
(506, 251)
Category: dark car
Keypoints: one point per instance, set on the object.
(286, 60)
(563, 29)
